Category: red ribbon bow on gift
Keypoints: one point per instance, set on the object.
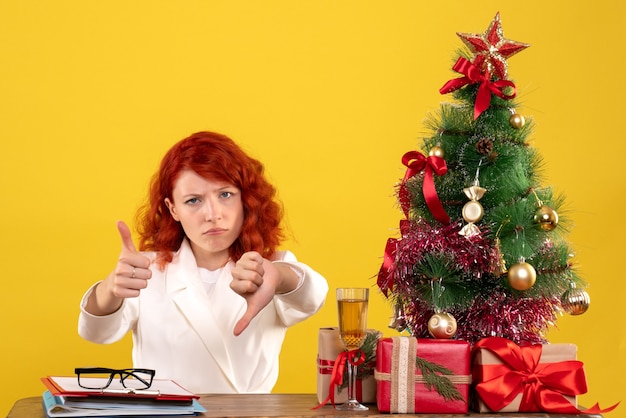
(354, 357)
(543, 386)
(415, 163)
(474, 75)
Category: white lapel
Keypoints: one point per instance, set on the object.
(183, 284)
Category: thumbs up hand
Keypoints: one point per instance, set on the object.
(132, 271)
(255, 279)
(130, 276)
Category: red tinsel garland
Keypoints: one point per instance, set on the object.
(472, 256)
(497, 313)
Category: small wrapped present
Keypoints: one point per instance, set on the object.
(329, 348)
(422, 375)
(533, 378)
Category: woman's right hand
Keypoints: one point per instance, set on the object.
(132, 271)
(130, 276)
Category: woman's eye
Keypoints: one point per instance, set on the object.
(226, 195)
(192, 201)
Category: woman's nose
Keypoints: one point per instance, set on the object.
(211, 211)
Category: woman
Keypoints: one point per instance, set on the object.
(209, 298)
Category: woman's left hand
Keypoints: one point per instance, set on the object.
(256, 280)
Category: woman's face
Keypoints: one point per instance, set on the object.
(211, 214)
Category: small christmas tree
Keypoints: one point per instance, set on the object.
(481, 250)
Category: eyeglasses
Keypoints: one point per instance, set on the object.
(102, 377)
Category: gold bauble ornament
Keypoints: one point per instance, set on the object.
(436, 151)
(522, 276)
(546, 218)
(517, 121)
(575, 301)
(442, 325)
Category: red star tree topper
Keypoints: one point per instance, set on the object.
(491, 49)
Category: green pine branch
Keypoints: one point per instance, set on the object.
(435, 377)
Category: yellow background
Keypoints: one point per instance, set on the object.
(329, 94)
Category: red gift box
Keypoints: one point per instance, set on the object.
(533, 378)
(401, 386)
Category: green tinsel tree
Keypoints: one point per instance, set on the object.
(482, 249)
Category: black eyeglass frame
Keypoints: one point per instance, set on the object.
(123, 374)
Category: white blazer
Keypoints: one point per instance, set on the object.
(187, 335)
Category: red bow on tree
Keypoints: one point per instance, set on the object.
(472, 75)
(416, 162)
(385, 274)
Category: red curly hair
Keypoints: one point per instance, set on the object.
(216, 157)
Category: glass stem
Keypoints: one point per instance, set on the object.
(351, 382)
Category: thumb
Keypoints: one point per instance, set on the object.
(255, 302)
(244, 321)
(125, 235)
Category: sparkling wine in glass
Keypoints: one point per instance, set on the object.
(352, 309)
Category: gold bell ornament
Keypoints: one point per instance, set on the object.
(498, 263)
(398, 320)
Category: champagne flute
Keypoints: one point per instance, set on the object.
(352, 309)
